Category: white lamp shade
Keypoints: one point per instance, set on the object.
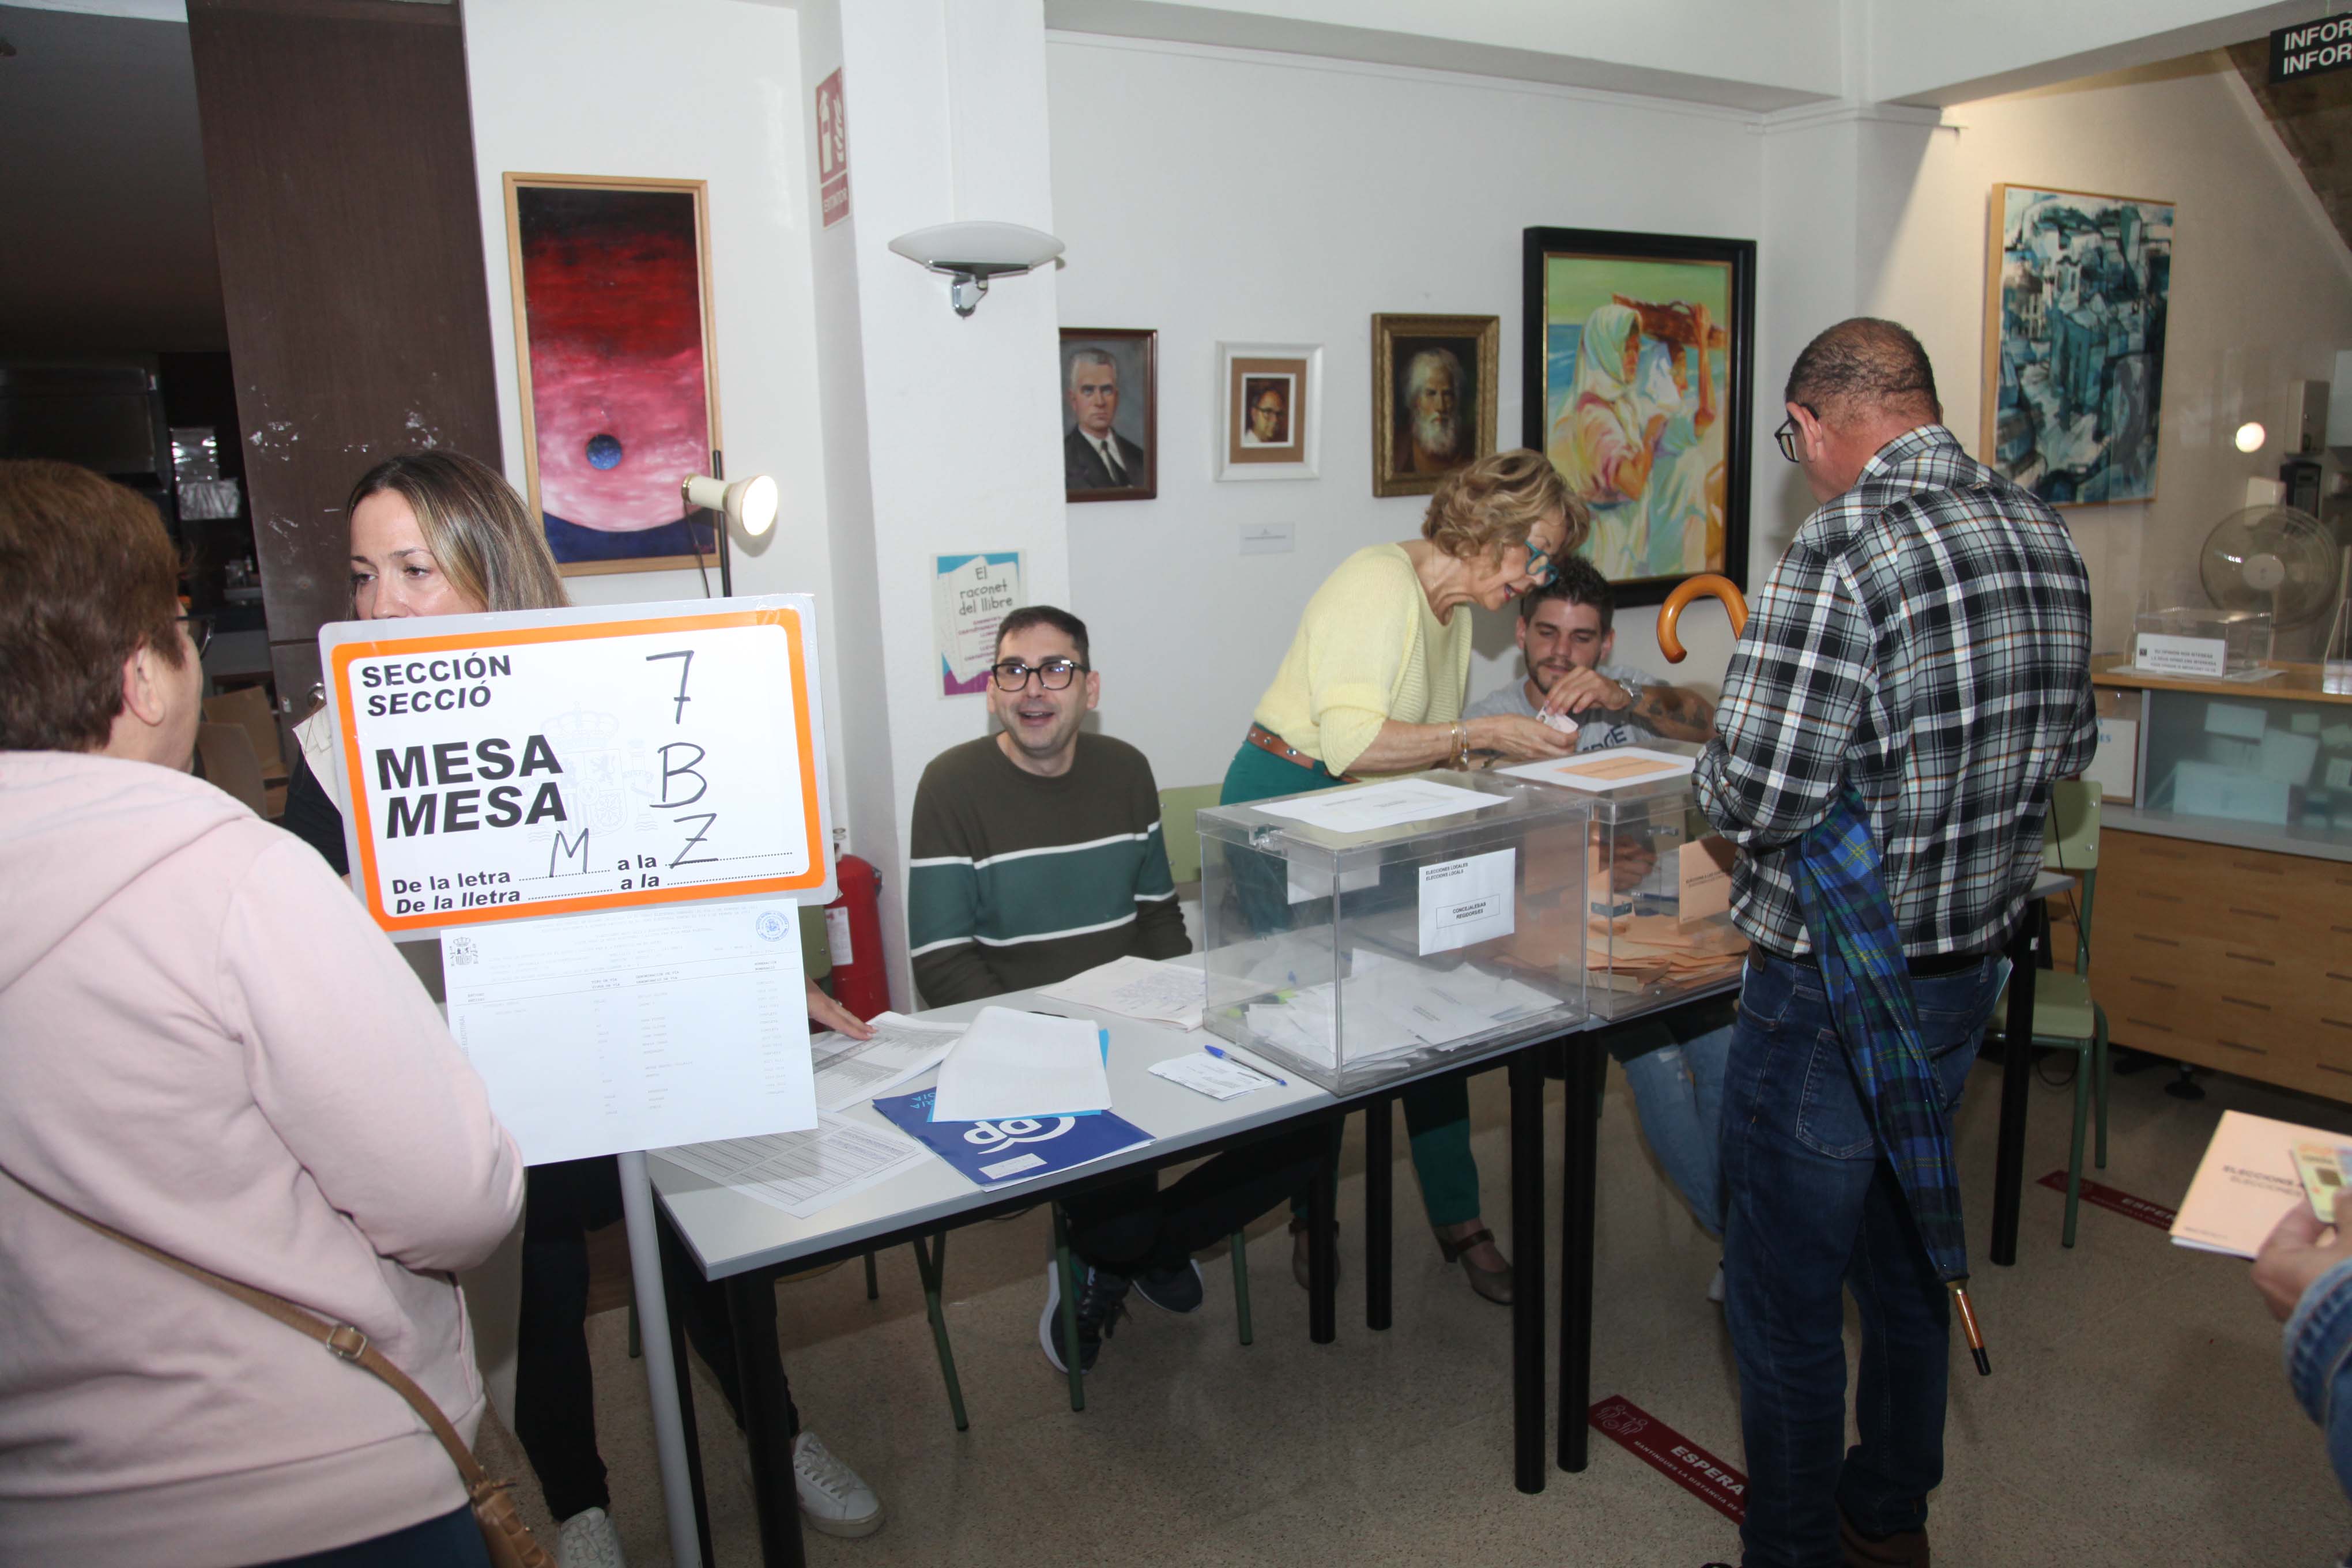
(979, 248)
(749, 504)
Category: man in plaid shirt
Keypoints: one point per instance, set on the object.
(1926, 639)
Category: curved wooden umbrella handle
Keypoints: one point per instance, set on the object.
(1707, 585)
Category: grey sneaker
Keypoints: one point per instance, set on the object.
(1102, 1301)
(589, 1541)
(833, 1499)
(1172, 1289)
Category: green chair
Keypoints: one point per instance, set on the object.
(1066, 1263)
(2064, 1015)
(1179, 828)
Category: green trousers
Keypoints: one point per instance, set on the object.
(1436, 1115)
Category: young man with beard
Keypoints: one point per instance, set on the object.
(1036, 854)
(1566, 632)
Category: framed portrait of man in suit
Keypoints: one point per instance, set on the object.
(1110, 414)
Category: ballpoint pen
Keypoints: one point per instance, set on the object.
(1222, 1056)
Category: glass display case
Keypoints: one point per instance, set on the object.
(1358, 935)
(2264, 759)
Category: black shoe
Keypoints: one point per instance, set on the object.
(1102, 1301)
(1177, 1289)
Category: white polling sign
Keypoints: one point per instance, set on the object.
(561, 762)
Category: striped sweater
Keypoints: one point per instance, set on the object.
(1018, 880)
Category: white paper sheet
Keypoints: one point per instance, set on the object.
(1316, 887)
(805, 1173)
(1364, 807)
(849, 1072)
(1138, 988)
(1468, 901)
(1010, 1063)
(636, 1028)
(1613, 767)
(1205, 1073)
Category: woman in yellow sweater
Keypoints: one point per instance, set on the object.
(1372, 685)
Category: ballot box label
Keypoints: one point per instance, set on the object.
(565, 762)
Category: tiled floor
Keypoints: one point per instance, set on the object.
(2138, 1414)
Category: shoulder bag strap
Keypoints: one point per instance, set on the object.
(340, 1339)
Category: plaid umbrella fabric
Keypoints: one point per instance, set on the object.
(1835, 868)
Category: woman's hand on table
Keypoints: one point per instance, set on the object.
(1520, 740)
(823, 1010)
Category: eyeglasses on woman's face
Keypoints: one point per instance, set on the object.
(1054, 675)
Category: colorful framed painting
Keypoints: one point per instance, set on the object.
(1110, 397)
(613, 336)
(1638, 362)
(1270, 407)
(2076, 287)
(1432, 398)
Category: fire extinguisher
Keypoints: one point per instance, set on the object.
(852, 930)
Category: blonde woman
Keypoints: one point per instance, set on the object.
(438, 533)
(1374, 684)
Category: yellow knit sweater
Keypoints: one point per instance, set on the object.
(1367, 649)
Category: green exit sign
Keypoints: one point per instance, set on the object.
(2314, 49)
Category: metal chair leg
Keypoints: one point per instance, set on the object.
(932, 1263)
(1069, 1310)
(2100, 1070)
(2074, 1151)
(1241, 1284)
(873, 1285)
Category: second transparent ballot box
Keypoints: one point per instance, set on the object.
(1659, 900)
(1362, 934)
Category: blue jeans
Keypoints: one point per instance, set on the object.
(2319, 1364)
(1678, 1095)
(1812, 1211)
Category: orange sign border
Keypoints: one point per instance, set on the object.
(355, 773)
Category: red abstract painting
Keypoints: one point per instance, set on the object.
(610, 311)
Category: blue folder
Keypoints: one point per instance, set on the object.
(999, 1153)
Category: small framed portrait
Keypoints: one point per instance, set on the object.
(1110, 414)
(1432, 398)
(1270, 396)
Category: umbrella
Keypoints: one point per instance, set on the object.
(1835, 866)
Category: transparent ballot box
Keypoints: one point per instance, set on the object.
(2274, 765)
(1658, 901)
(1358, 935)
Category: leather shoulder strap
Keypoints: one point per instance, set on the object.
(341, 1340)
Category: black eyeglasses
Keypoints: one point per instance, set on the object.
(1788, 433)
(1054, 675)
(200, 631)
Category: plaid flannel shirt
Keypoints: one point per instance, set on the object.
(1926, 639)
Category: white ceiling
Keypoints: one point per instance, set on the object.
(108, 246)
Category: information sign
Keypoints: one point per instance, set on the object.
(561, 762)
(2311, 49)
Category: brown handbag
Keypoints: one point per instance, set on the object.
(510, 1539)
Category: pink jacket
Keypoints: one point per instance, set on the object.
(205, 1043)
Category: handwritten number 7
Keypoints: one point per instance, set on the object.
(685, 667)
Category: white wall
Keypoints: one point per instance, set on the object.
(1936, 53)
(1215, 195)
(2261, 287)
(705, 89)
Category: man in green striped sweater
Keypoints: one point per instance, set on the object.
(1036, 854)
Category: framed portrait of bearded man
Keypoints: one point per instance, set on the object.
(1432, 398)
(1637, 371)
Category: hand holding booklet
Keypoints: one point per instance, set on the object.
(1010, 1063)
(2248, 1180)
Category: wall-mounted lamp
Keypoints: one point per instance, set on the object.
(749, 504)
(2250, 436)
(972, 253)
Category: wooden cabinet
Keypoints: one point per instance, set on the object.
(2236, 959)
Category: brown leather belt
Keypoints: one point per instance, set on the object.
(1274, 745)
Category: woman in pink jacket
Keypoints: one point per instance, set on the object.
(205, 1044)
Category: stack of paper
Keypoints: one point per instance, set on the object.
(1138, 988)
(802, 1174)
(1219, 1078)
(849, 1071)
(1010, 1063)
(2245, 1184)
(1631, 952)
(1391, 1008)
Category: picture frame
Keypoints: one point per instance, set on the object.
(1110, 378)
(1283, 382)
(1652, 525)
(2083, 433)
(615, 355)
(1432, 397)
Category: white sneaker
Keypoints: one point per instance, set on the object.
(832, 1498)
(1714, 1287)
(589, 1541)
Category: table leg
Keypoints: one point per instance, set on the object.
(1379, 1216)
(2016, 1081)
(1322, 1247)
(751, 1307)
(1578, 1181)
(1527, 1411)
(678, 1265)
